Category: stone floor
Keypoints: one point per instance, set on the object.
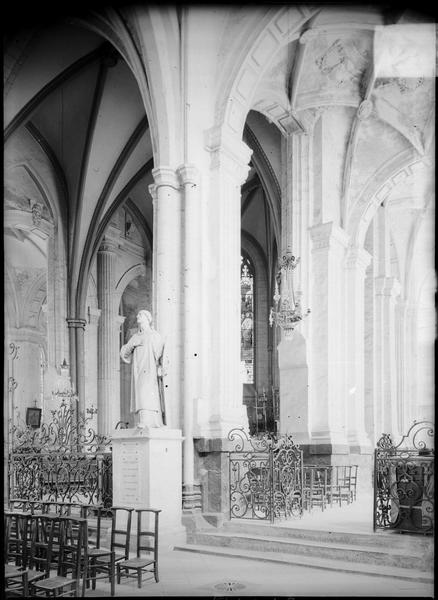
(186, 574)
(190, 574)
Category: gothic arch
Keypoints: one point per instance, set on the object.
(283, 27)
(127, 277)
(375, 192)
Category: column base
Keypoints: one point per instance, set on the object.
(191, 497)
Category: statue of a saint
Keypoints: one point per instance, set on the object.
(144, 351)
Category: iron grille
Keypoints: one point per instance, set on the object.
(265, 477)
(404, 481)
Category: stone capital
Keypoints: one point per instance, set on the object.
(108, 245)
(387, 286)
(165, 176)
(357, 258)
(153, 191)
(325, 235)
(76, 323)
(188, 174)
(228, 151)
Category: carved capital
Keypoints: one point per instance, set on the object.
(228, 152)
(357, 258)
(108, 245)
(37, 213)
(325, 234)
(153, 191)
(188, 174)
(165, 176)
(387, 286)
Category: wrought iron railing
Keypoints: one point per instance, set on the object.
(73, 477)
(63, 460)
(265, 477)
(404, 481)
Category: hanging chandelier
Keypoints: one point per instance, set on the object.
(286, 312)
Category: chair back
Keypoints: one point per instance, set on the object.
(16, 537)
(147, 539)
(73, 547)
(121, 529)
(45, 540)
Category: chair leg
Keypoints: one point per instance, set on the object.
(139, 578)
(118, 573)
(156, 572)
(112, 571)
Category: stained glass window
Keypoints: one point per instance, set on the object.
(247, 320)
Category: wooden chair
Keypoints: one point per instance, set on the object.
(101, 562)
(339, 487)
(147, 541)
(353, 481)
(16, 582)
(71, 558)
(38, 555)
(314, 487)
(16, 540)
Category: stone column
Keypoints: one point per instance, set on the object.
(108, 403)
(77, 358)
(387, 290)
(357, 261)
(326, 366)
(228, 170)
(166, 274)
(91, 364)
(292, 349)
(190, 181)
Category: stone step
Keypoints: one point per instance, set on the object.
(314, 562)
(377, 555)
(418, 544)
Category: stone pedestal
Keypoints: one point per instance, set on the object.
(147, 472)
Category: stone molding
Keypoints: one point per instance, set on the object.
(365, 109)
(188, 174)
(76, 323)
(324, 234)
(153, 191)
(357, 258)
(308, 36)
(165, 177)
(228, 151)
(108, 245)
(387, 286)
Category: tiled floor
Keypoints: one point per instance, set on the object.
(191, 574)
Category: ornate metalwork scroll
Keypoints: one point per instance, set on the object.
(404, 481)
(265, 477)
(63, 460)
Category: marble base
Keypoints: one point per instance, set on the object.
(147, 473)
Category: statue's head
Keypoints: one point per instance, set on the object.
(144, 318)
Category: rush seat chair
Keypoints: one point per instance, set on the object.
(147, 542)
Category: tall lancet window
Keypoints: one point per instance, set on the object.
(247, 320)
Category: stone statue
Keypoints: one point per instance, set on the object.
(145, 351)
